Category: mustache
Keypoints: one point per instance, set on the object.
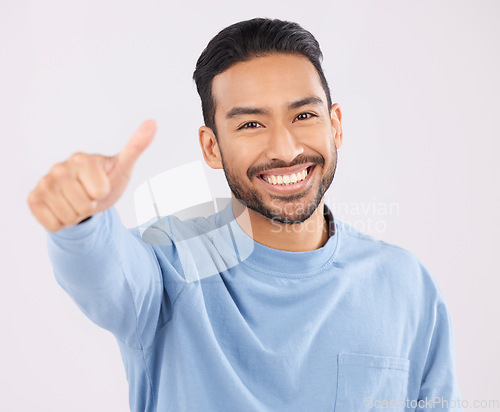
(257, 170)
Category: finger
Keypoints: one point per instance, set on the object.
(43, 214)
(137, 144)
(55, 201)
(89, 172)
(78, 198)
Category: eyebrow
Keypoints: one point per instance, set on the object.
(246, 110)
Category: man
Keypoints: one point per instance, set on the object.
(315, 317)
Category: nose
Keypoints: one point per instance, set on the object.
(283, 145)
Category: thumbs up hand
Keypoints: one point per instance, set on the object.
(86, 184)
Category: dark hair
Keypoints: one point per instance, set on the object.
(245, 40)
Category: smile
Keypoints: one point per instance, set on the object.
(285, 179)
(290, 182)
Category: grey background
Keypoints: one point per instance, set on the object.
(418, 85)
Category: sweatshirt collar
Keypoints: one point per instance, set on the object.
(274, 261)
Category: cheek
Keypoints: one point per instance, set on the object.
(244, 151)
(321, 140)
(237, 159)
(318, 132)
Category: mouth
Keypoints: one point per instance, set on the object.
(295, 179)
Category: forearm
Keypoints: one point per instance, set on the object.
(111, 275)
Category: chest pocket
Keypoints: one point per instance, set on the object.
(366, 382)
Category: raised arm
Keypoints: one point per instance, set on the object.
(111, 274)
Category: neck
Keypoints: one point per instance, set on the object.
(311, 234)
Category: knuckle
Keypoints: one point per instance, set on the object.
(32, 197)
(78, 157)
(101, 190)
(45, 183)
(67, 219)
(53, 226)
(59, 171)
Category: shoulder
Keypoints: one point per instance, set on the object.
(357, 244)
(168, 230)
(388, 262)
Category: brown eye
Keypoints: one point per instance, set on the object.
(304, 116)
(250, 125)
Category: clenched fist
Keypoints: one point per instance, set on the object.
(86, 184)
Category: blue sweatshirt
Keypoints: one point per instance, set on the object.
(207, 319)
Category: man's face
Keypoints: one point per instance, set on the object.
(276, 136)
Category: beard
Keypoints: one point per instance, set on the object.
(287, 208)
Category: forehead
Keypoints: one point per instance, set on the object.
(272, 80)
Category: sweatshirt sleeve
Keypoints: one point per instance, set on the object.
(112, 275)
(439, 387)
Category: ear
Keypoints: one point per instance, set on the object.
(210, 147)
(336, 118)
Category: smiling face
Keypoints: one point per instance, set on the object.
(277, 140)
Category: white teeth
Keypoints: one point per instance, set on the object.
(286, 179)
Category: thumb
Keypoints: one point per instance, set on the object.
(141, 139)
